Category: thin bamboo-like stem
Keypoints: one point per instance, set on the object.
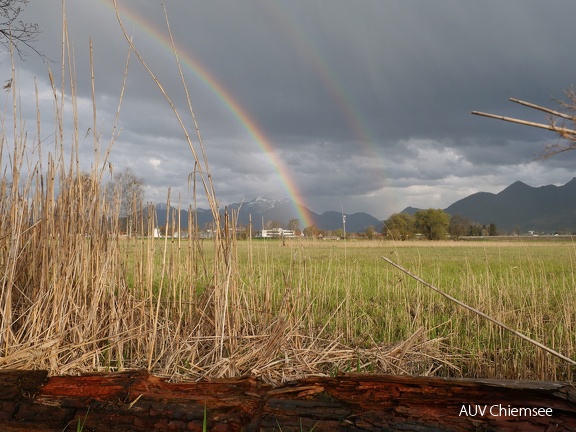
(115, 132)
(188, 99)
(153, 339)
(94, 111)
(204, 176)
(543, 109)
(527, 123)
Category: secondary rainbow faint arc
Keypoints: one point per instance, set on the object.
(224, 95)
(316, 60)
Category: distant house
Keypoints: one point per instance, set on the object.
(180, 234)
(276, 233)
(207, 234)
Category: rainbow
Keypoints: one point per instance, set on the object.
(228, 100)
(316, 60)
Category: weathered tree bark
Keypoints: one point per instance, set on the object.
(137, 401)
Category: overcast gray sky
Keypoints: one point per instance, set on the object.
(357, 104)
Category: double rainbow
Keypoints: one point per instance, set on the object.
(161, 38)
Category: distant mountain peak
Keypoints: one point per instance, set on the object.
(410, 210)
(522, 208)
(261, 203)
(263, 210)
(518, 184)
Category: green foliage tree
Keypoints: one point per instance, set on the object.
(399, 226)
(338, 233)
(492, 231)
(475, 230)
(432, 223)
(458, 227)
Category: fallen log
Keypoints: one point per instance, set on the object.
(137, 401)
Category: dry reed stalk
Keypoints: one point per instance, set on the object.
(222, 270)
(60, 263)
(482, 314)
(202, 168)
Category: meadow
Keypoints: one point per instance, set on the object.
(352, 311)
(527, 286)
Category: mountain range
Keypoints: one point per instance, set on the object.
(517, 208)
(521, 208)
(265, 210)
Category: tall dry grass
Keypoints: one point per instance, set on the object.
(75, 296)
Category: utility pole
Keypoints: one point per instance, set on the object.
(344, 223)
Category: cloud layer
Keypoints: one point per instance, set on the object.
(365, 105)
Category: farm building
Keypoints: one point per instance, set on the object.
(276, 233)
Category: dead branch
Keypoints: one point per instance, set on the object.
(563, 133)
(527, 123)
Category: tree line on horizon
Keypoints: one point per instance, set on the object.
(433, 224)
(126, 190)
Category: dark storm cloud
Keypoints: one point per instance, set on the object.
(367, 102)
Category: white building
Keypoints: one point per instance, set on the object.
(277, 233)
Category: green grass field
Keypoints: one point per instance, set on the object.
(345, 292)
(528, 286)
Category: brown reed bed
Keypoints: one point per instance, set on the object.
(75, 296)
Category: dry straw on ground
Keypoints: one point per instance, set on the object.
(66, 303)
